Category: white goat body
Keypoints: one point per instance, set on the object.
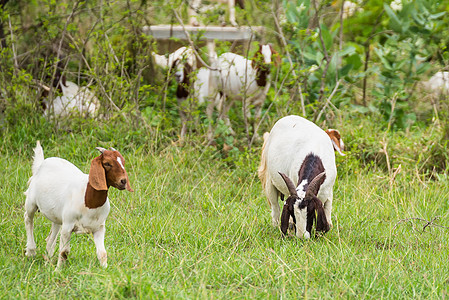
(63, 194)
(244, 80)
(290, 141)
(74, 99)
(182, 53)
(438, 83)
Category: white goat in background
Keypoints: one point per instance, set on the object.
(182, 53)
(297, 150)
(73, 100)
(71, 200)
(245, 80)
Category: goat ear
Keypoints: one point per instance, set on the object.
(321, 221)
(97, 175)
(276, 56)
(291, 187)
(63, 80)
(315, 184)
(128, 186)
(336, 140)
(187, 69)
(285, 218)
(175, 62)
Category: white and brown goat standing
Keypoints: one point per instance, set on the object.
(73, 201)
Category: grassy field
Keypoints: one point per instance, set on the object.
(198, 226)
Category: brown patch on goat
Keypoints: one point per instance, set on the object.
(310, 168)
(105, 170)
(182, 91)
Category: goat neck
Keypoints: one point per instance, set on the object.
(262, 68)
(310, 168)
(182, 91)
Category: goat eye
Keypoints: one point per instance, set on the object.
(107, 165)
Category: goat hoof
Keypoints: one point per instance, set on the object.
(30, 252)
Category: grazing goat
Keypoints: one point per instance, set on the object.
(195, 7)
(194, 86)
(297, 150)
(74, 99)
(71, 200)
(245, 80)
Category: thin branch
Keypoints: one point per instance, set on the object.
(328, 100)
(289, 58)
(90, 70)
(427, 223)
(192, 45)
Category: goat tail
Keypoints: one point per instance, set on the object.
(262, 171)
(38, 157)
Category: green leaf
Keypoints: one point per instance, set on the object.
(395, 23)
(327, 37)
(348, 50)
(355, 61)
(345, 70)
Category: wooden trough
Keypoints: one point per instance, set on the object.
(165, 32)
(166, 35)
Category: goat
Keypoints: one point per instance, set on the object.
(73, 99)
(436, 87)
(245, 80)
(297, 150)
(195, 7)
(196, 86)
(438, 83)
(71, 200)
(180, 53)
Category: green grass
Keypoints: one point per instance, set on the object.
(198, 226)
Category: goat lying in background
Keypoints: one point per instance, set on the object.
(71, 200)
(296, 150)
(245, 80)
(438, 83)
(73, 99)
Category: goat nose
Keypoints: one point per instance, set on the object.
(123, 181)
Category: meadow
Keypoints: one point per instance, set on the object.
(198, 226)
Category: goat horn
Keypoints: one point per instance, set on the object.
(101, 149)
(315, 184)
(290, 185)
(112, 149)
